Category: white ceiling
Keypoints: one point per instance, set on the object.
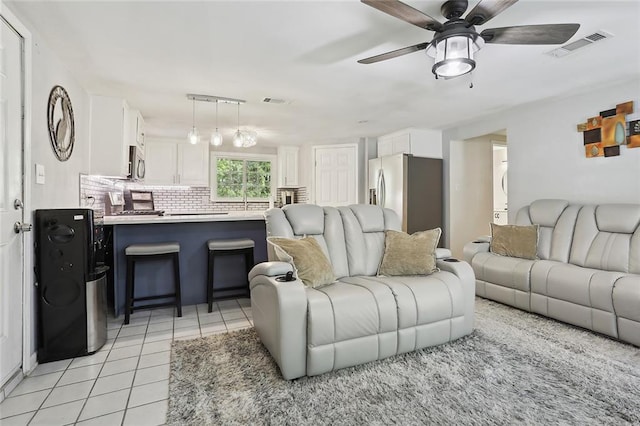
(154, 53)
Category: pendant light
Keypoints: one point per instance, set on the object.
(216, 136)
(238, 139)
(194, 136)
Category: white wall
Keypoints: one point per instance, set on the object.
(546, 153)
(62, 179)
(471, 191)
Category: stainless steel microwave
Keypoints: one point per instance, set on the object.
(136, 163)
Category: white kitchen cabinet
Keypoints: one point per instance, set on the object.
(193, 164)
(288, 166)
(109, 124)
(136, 129)
(177, 163)
(419, 142)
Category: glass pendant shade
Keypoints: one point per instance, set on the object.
(193, 136)
(454, 55)
(238, 139)
(216, 138)
(250, 138)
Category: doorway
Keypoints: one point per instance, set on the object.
(15, 261)
(471, 191)
(500, 183)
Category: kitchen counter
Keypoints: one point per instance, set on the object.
(182, 217)
(191, 231)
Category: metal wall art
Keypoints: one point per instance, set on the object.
(61, 123)
(604, 134)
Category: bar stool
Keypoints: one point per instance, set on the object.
(152, 251)
(228, 248)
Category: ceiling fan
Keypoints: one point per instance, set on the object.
(456, 40)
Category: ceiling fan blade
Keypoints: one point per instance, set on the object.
(406, 13)
(393, 54)
(530, 34)
(487, 9)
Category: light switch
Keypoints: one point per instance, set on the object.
(40, 174)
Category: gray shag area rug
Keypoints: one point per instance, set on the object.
(515, 368)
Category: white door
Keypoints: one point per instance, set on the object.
(336, 172)
(11, 195)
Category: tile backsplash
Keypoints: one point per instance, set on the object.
(93, 189)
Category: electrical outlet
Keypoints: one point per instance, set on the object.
(205, 199)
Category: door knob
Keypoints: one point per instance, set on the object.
(22, 227)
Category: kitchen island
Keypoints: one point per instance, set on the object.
(192, 232)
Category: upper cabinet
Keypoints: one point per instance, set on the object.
(136, 129)
(288, 166)
(109, 124)
(177, 163)
(419, 142)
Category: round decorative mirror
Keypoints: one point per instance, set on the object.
(61, 123)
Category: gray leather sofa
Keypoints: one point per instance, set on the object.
(588, 272)
(361, 317)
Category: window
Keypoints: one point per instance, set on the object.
(233, 175)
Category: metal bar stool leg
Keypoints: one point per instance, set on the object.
(210, 280)
(129, 289)
(249, 261)
(176, 273)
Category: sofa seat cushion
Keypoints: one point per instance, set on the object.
(511, 272)
(344, 311)
(626, 297)
(423, 299)
(582, 286)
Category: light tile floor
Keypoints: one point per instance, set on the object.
(127, 381)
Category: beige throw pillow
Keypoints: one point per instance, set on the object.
(309, 262)
(514, 241)
(406, 254)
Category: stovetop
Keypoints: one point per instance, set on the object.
(140, 213)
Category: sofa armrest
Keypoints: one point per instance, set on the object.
(279, 311)
(481, 245)
(443, 253)
(464, 272)
(270, 269)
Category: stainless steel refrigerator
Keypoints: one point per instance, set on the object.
(412, 186)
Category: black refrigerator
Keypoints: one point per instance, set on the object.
(71, 282)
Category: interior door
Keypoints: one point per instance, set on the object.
(11, 195)
(335, 176)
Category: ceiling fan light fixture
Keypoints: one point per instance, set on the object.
(454, 54)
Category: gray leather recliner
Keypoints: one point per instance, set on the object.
(361, 317)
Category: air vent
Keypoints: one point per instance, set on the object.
(579, 44)
(273, 101)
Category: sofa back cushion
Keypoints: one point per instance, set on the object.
(302, 220)
(364, 227)
(556, 220)
(351, 237)
(607, 237)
